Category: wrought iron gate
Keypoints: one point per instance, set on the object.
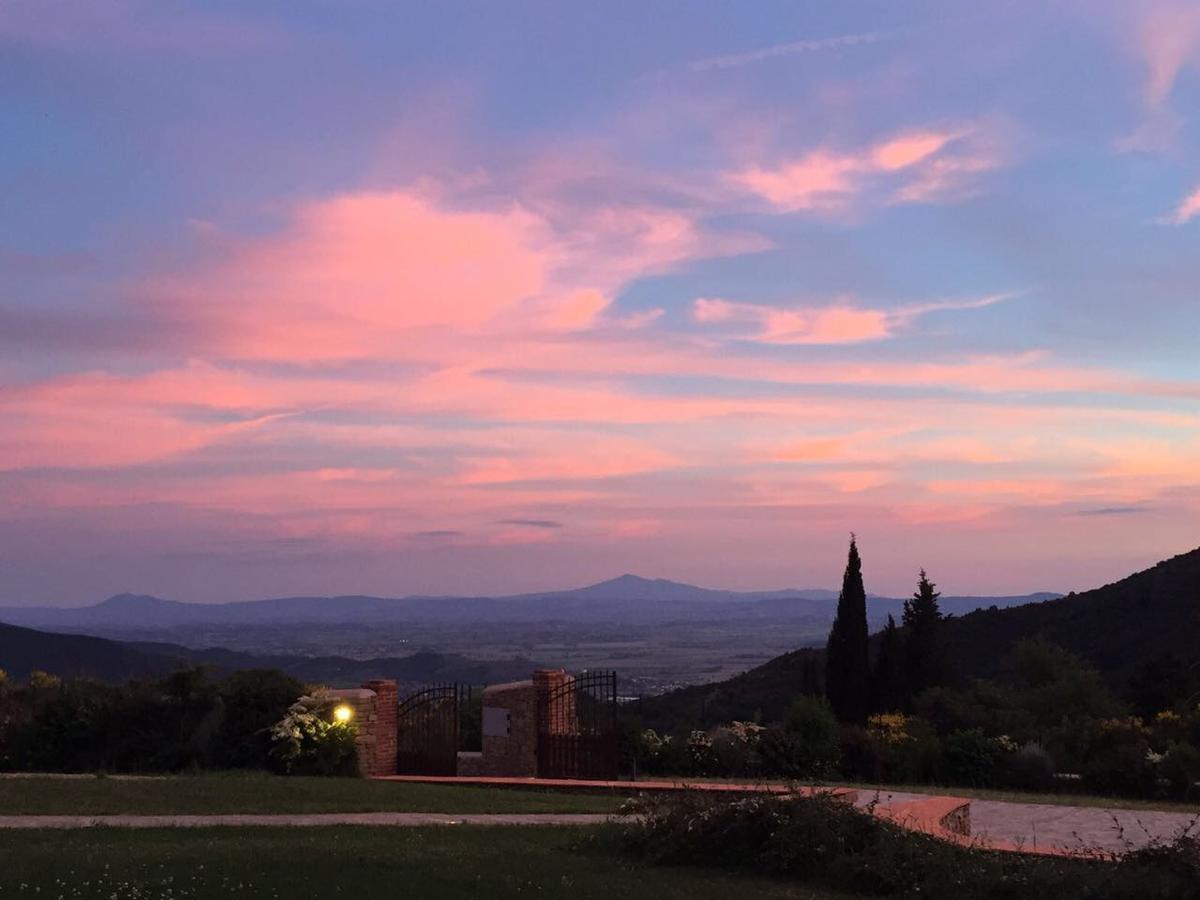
(428, 723)
(577, 728)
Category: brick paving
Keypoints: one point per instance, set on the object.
(1045, 826)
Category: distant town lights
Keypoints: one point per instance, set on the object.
(343, 714)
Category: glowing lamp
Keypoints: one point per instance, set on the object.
(342, 714)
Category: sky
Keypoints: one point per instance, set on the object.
(450, 297)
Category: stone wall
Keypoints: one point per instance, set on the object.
(513, 754)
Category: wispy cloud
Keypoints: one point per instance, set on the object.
(531, 523)
(1113, 511)
(920, 166)
(1168, 40)
(791, 48)
(1187, 210)
(838, 323)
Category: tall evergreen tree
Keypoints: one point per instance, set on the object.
(925, 651)
(887, 678)
(810, 677)
(847, 665)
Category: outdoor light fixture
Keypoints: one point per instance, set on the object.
(343, 714)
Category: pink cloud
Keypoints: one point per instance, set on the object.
(817, 180)
(1169, 40)
(371, 275)
(841, 323)
(913, 167)
(906, 150)
(1187, 209)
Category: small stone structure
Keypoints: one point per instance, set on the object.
(375, 706)
(510, 727)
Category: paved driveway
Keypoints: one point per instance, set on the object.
(1047, 825)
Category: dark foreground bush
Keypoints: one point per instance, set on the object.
(826, 842)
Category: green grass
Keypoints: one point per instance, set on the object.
(262, 793)
(363, 863)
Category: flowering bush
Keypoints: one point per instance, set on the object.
(735, 748)
(307, 741)
(889, 728)
(699, 750)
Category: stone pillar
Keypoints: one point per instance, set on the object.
(375, 712)
(384, 726)
(562, 716)
(509, 733)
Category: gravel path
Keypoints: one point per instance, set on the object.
(299, 820)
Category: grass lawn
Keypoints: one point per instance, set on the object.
(263, 793)
(363, 863)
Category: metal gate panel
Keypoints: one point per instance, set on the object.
(577, 728)
(428, 730)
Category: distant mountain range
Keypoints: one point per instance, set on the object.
(628, 599)
(22, 650)
(1151, 615)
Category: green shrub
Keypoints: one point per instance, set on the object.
(1031, 768)
(1180, 767)
(971, 758)
(307, 741)
(811, 736)
(917, 760)
(861, 755)
(184, 721)
(1121, 759)
(253, 700)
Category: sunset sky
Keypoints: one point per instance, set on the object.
(315, 298)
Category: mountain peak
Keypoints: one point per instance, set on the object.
(132, 602)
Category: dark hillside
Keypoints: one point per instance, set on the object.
(23, 650)
(1116, 628)
(761, 693)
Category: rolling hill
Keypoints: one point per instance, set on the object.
(23, 650)
(1116, 629)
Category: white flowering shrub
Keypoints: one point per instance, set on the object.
(307, 741)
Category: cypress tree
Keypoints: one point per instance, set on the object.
(924, 659)
(847, 666)
(887, 678)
